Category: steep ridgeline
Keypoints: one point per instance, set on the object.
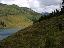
(13, 15)
(48, 33)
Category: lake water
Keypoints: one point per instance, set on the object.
(7, 32)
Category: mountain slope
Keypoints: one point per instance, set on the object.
(48, 33)
(10, 15)
(15, 22)
(6, 10)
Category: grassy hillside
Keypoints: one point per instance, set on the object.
(48, 33)
(15, 21)
(13, 15)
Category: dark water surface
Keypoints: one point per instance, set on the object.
(7, 32)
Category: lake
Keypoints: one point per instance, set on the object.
(7, 32)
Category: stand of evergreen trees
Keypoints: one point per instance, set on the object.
(54, 13)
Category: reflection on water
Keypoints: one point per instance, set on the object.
(7, 32)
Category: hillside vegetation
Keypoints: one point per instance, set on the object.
(48, 33)
(13, 15)
(14, 22)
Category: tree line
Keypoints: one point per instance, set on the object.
(54, 13)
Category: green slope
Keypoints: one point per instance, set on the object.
(13, 15)
(48, 33)
(15, 21)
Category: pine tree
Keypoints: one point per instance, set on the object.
(62, 9)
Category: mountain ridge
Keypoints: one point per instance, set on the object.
(10, 13)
